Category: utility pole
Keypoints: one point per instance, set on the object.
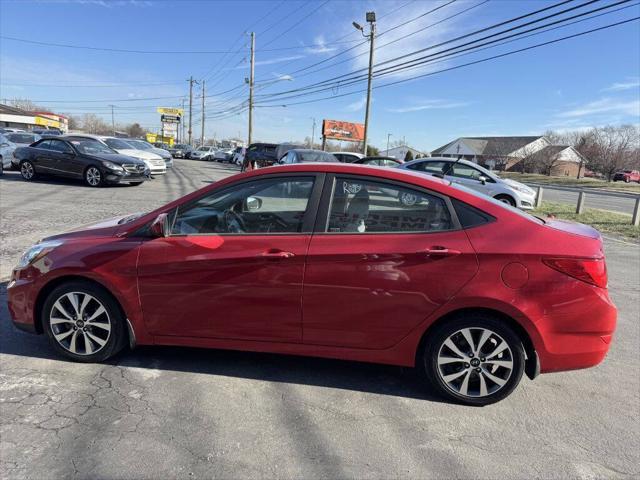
(253, 48)
(388, 136)
(190, 106)
(371, 18)
(182, 123)
(202, 135)
(313, 132)
(113, 121)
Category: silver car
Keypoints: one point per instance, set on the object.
(9, 141)
(477, 178)
(143, 145)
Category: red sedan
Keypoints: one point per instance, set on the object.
(324, 260)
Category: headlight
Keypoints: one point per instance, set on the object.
(39, 250)
(112, 166)
(522, 189)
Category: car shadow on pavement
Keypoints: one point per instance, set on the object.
(345, 375)
(16, 177)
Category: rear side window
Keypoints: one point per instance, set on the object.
(363, 206)
(469, 216)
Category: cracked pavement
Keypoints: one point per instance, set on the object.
(161, 412)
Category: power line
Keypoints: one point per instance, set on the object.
(513, 52)
(350, 76)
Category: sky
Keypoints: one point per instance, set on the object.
(590, 80)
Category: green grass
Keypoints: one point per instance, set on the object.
(617, 224)
(573, 182)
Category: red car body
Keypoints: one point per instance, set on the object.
(365, 297)
(627, 176)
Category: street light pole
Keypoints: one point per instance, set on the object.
(253, 47)
(313, 132)
(113, 121)
(371, 18)
(190, 107)
(202, 134)
(388, 135)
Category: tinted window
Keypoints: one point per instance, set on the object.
(90, 146)
(362, 206)
(45, 144)
(59, 146)
(469, 216)
(117, 144)
(266, 206)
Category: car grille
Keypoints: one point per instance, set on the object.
(134, 168)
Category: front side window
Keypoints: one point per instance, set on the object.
(60, 146)
(363, 206)
(117, 144)
(45, 145)
(430, 167)
(275, 205)
(461, 170)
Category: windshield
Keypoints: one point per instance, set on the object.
(482, 196)
(140, 144)
(117, 144)
(203, 149)
(24, 138)
(180, 146)
(90, 146)
(317, 157)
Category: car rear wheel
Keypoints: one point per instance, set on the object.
(83, 322)
(506, 199)
(474, 359)
(93, 177)
(27, 170)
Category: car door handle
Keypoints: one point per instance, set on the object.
(276, 254)
(441, 252)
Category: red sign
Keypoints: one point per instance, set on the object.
(338, 130)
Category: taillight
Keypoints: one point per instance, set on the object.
(589, 270)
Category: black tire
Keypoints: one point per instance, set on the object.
(627, 180)
(115, 339)
(93, 177)
(135, 184)
(506, 199)
(27, 170)
(477, 322)
(1, 167)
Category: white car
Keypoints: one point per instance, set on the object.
(206, 152)
(154, 162)
(477, 178)
(238, 155)
(9, 142)
(147, 147)
(223, 155)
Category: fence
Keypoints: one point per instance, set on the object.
(582, 199)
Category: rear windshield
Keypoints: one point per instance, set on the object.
(498, 203)
(24, 138)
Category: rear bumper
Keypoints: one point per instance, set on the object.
(577, 341)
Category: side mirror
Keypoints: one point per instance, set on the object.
(482, 179)
(253, 204)
(160, 226)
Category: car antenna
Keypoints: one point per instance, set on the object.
(451, 165)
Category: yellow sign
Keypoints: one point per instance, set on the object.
(47, 122)
(170, 111)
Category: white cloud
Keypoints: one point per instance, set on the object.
(605, 106)
(357, 105)
(630, 84)
(319, 46)
(428, 105)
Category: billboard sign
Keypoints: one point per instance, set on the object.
(169, 111)
(339, 130)
(164, 118)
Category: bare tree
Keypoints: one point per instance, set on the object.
(134, 130)
(91, 123)
(610, 149)
(26, 104)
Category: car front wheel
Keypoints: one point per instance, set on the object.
(93, 177)
(83, 322)
(474, 359)
(506, 199)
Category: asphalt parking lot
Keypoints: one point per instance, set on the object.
(161, 412)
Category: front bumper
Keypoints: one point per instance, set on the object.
(126, 176)
(526, 201)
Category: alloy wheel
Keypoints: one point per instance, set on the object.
(80, 323)
(93, 176)
(475, 362)
(26, 170)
